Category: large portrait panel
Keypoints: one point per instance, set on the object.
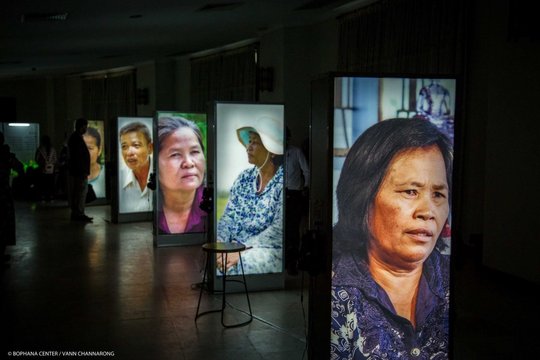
(392, 167)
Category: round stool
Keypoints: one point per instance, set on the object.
(223, 248)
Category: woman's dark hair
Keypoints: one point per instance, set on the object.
(168, 125)
(365, 168)
(93, 132)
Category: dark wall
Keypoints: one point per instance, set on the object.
(502, 166)
(8, 109)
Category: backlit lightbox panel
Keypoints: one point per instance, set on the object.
(95, 141)
(248, 179)
(135, 162)
(381, 206)
(180, 153)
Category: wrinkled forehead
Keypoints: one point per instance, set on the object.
(407, 163)
(133, 136)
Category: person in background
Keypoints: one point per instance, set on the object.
(253, 215)
(79, 169)
(390, 282)
(137, 148)
(46, 159)
(62, 183)
(182, 167)
(92, 139)
(8, 162)
(296, 184)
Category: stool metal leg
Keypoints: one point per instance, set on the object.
(247, 297)
(207, 271)
(203, 284)
(245, 288)
(224, 287)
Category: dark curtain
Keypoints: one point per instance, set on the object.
(94, 98)
(121, 98)
(226, 76)
(404, 36)
(108, 96)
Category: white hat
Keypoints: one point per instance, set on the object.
(269, 129)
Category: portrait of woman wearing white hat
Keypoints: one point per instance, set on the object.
(253, 215)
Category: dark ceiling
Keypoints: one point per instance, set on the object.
(73, 36)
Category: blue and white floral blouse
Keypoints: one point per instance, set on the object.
(255, 220)
(366, 326)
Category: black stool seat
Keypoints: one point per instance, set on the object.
(223, 248)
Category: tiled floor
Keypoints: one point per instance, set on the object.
(105, 287)
(497, 316)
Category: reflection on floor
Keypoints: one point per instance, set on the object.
(104, 287)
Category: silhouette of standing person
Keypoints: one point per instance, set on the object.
(8, 162)
(296, 183)
(62, 182)
(79, 169)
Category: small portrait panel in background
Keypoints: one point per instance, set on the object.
(136, 148)
(93, 138)
(181, 176)
(253, 209)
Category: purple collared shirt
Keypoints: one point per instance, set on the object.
(365, 324)
(197, 216)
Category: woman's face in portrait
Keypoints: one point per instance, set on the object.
(181, 161)
(410, 208)
(256, 151)
(135, 150)
(93, 148)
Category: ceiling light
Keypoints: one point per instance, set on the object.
(221, 6)
(19, 124)
(33, 17)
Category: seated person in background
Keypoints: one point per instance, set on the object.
(253, 215)
(182, 168)
(137, 147)
(390, 283)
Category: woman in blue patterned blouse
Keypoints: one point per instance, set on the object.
(254, 212)
(390, 283)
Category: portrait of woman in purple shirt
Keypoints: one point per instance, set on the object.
(181, 174)
(390, 282)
